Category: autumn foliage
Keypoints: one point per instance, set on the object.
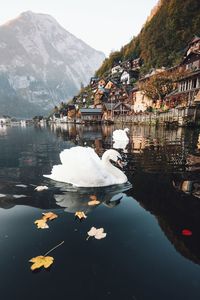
(161, 84)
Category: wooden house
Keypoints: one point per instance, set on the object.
(136, 64)
(108, 113)
(109, 85)
(112, 110)
(189, 85)
(122, 108)
(101, 83)
(91, 115)
(94, 80)
(126, 65)
(193, 46)
(131, 64)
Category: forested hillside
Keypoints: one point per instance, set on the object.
(163, 38)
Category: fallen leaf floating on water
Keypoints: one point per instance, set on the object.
(80, 215)
(41, 224)
(93, 201)
(49, 216)
(41, 261)
(186, 232)
(97, 233)
(41, 188)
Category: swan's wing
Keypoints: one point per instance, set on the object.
(81, 167)
(79, 156)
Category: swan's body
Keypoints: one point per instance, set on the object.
(82, 167)
(120, 135)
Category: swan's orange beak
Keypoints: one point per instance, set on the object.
(120, 163)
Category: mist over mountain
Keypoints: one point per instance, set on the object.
(41, 64)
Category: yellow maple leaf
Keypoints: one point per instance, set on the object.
(41, 224)
(49, 216)
(41, 261)
(80, 215)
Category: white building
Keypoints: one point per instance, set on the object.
(4, 120)
(125, 78)
(116, 69)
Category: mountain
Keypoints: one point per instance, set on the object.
(161, 42)
(41, 64)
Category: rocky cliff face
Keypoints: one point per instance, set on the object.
(41, 64)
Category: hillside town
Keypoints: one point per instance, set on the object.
(168, 96)
(165, 95)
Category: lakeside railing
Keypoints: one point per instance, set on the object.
(179, 116)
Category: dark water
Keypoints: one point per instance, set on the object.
(144, 256)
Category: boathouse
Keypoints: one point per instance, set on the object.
(91, 115)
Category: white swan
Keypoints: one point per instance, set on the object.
(82, 167)
(120, 135)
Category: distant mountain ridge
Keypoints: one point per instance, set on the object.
(41, 64)
(161, 41)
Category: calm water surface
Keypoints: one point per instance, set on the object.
(144, 256)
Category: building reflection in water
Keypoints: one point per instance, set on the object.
(155, 148)
(162, 165)
(190, 187)
(3, 130)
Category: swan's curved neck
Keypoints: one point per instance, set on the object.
(117, 173)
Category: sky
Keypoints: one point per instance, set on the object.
(105, 25)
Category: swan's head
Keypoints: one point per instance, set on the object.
(113, 155)
(126, 130)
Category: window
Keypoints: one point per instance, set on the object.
(194, 83)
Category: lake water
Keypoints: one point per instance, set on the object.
(144, 255)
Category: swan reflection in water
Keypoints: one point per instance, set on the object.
(76, 199)
(61, 195)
